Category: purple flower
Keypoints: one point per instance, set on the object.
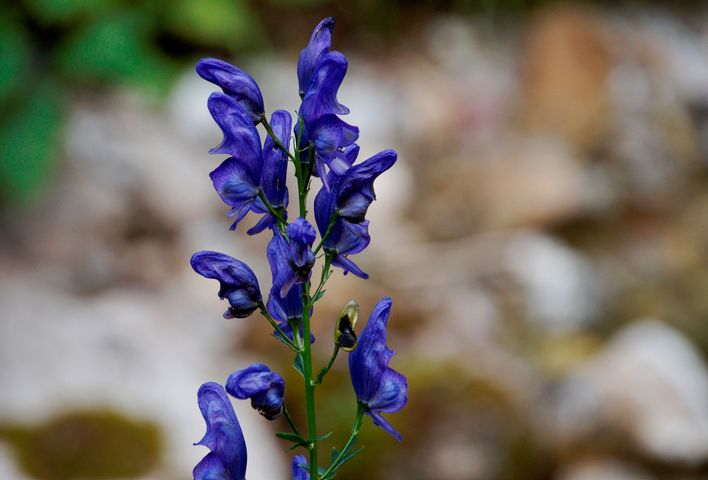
(275, 165)
(264, 387)
(237, 282)
(299, 468)
(285, 304)
(235, 83)
(321, 94)
(348, 199)
(320, 43)
(238, 178)
(227, 458)
(378, 387)
(329, 137)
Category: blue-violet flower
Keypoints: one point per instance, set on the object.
(265, 388)
(377, 386)
(299, 468)
(227, 458)
(237, 282)
(235, 83)
(320, 43)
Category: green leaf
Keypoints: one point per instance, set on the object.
(15, 55)
(116, 48)
(29, 140)
(319, 295)
(66, 11)
(298, 365)
(217, 23)
(291, 437)
(324, 437)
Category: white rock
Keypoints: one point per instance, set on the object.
(650, 384)
(561, 289)
(603, 469)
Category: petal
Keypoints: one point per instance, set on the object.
(211, 468)
(223, 436)
(320, 43)
(237, 281)
(347, 265)
(392, 393)
(299, 468)
(329, 134)
(352, 238)
(235, 83)
(321, 96)
(275, 161)
(383, 423)
(356, 191)
(234, 182)
(265, 388)
(241, 138)
(369, 361)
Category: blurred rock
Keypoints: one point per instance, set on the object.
(603, 469)
(650, 385)
(518, 183)
(567, 63)
(561, 290)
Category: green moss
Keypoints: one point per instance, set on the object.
(86, 444)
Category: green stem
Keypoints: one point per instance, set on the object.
(326, 369)
(283, 337)
(361, 408)
(289, 419)
(309, 384)
(272, 210)
(327, 232)
(324, 276)
(272, 134)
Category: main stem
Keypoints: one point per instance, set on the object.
(309, 384)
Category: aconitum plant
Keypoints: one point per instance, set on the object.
(318, 144)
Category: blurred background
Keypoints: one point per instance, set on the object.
(544, 235)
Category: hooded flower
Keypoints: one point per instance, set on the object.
(275, 166)
(227, 458)
(235, 83)
(289, 262)
(237, 180)
(237, 282)
(299, 468)
(264, 387)
(320, 43)
(348, 199)
(378, 387)
(321, 94)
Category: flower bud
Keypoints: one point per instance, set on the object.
(344, 334)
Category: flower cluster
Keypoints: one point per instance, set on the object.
(253, 179)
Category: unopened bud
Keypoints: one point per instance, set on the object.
(344, 334)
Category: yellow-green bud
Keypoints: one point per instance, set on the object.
(344, 334)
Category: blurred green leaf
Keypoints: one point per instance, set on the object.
(115, 49)
(29, 138)
(219, 23)
(64, 11)
(298, 3)
(15, 54)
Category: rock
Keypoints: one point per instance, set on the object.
(561, 291)
(517, 183)
(602, 468)
(649, 385)
(565, 75)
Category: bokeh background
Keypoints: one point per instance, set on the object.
(544, 235)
